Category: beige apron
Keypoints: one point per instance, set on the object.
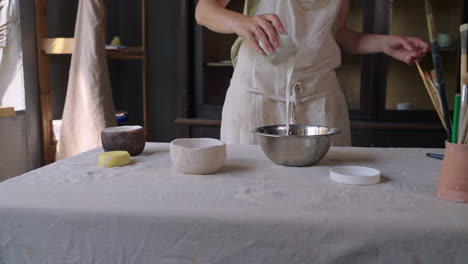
(257, 94)
(89, 105)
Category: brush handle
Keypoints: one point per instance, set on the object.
(437, 60)
(463, 129)
(463, 105)
(456, 115)
(431, 91)
(430, 21)
(464, 40)
(463, 66)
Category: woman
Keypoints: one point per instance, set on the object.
(256, 96)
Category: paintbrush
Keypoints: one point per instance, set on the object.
(435, 98)
(463, 130)
(463, 76)
(463, 105)
(456, 116)
(464, 51)
(426, 84)
(466, 132)
(431, 93)
(434, 77)
(437, 60)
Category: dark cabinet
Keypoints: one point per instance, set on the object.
(375, 86)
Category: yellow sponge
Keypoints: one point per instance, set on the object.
(114, 159)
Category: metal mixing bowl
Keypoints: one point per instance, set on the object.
(303, 146)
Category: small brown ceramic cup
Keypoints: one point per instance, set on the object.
(453, 178)
(126, 138)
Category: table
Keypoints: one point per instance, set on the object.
(252, 211)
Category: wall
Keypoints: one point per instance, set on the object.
(164, 66)
(124, 20)
(13, 150)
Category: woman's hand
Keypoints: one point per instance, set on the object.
(263, 27)
(405, 49)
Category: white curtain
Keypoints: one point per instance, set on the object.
(89, 106)
(11, 58)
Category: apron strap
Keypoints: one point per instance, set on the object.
(295, 97)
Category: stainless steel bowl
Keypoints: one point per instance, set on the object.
(303, 146)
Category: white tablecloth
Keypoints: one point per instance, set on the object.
(253, 211)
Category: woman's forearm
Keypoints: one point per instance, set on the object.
(353, 42)
(402, 48)
(213, 15)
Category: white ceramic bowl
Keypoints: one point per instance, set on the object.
(198, 155)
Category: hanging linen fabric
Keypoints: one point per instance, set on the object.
(89, 105)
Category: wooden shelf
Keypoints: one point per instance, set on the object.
(449, 49)
(63, 46)
(7, 111)
(197, 122)
(57, 46)
(219, 64)
(131, 53)
(357, 124)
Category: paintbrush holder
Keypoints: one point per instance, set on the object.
(453, 178)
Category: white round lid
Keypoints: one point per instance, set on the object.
(355, 175)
